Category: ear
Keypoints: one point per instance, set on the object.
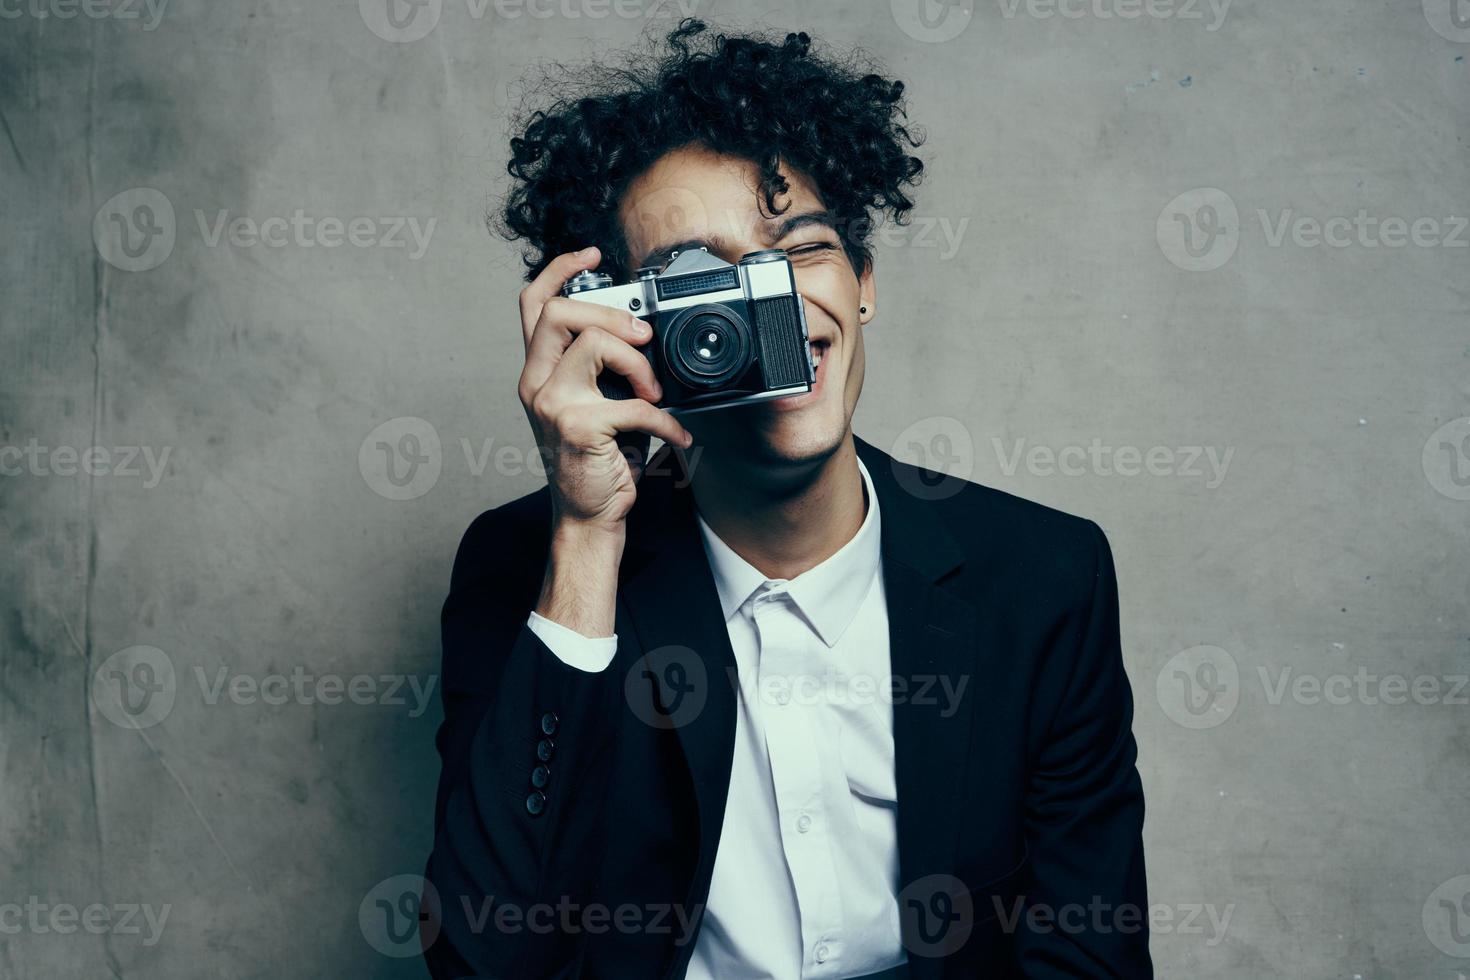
(867, 294)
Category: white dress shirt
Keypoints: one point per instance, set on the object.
(805, 878)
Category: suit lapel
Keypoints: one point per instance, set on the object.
(932, 651)
(673, 608)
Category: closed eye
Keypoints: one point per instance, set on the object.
(811, 248)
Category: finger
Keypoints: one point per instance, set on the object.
(595, 351)
(562, 321)
(548, 284)
(635, 415)
(568, 312)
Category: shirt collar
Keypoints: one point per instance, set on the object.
(828, 595)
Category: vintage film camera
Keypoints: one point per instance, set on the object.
(723, 334)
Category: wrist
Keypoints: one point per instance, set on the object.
(580, 587)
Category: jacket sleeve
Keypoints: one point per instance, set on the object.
(520, 789)
(1087, 896)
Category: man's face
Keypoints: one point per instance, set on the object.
(693, 197)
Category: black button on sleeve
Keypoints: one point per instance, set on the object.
(540, 776)
(548, 723)
(545, 749)
(535, 803)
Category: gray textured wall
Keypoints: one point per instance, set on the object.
(1114, 300)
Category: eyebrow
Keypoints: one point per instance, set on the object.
(717, 244)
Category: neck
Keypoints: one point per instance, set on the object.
(787, 525)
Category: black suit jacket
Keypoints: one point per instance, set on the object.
(1020, 810)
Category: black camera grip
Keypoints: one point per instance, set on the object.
(613, 385)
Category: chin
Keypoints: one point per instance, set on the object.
(790, 436)
(796, 441)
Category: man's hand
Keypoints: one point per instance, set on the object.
(593, 486)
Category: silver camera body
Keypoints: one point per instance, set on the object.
(723, 335)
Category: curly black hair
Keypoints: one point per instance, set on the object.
(749, 96)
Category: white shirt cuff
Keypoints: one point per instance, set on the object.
(588, 653)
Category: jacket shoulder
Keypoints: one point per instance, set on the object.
(504, 549)
(1037, 546)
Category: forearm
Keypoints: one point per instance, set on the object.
(579, 590)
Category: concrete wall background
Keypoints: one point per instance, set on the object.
(1046, 296)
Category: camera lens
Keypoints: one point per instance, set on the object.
(708, 346)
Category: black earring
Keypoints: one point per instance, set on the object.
(862, 309)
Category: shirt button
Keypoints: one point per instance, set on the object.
(548, 723)
(803, 823)
(540, 776)
(545, 749)
(822, 952)
(535, 803)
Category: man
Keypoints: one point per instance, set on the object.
(764, 707)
